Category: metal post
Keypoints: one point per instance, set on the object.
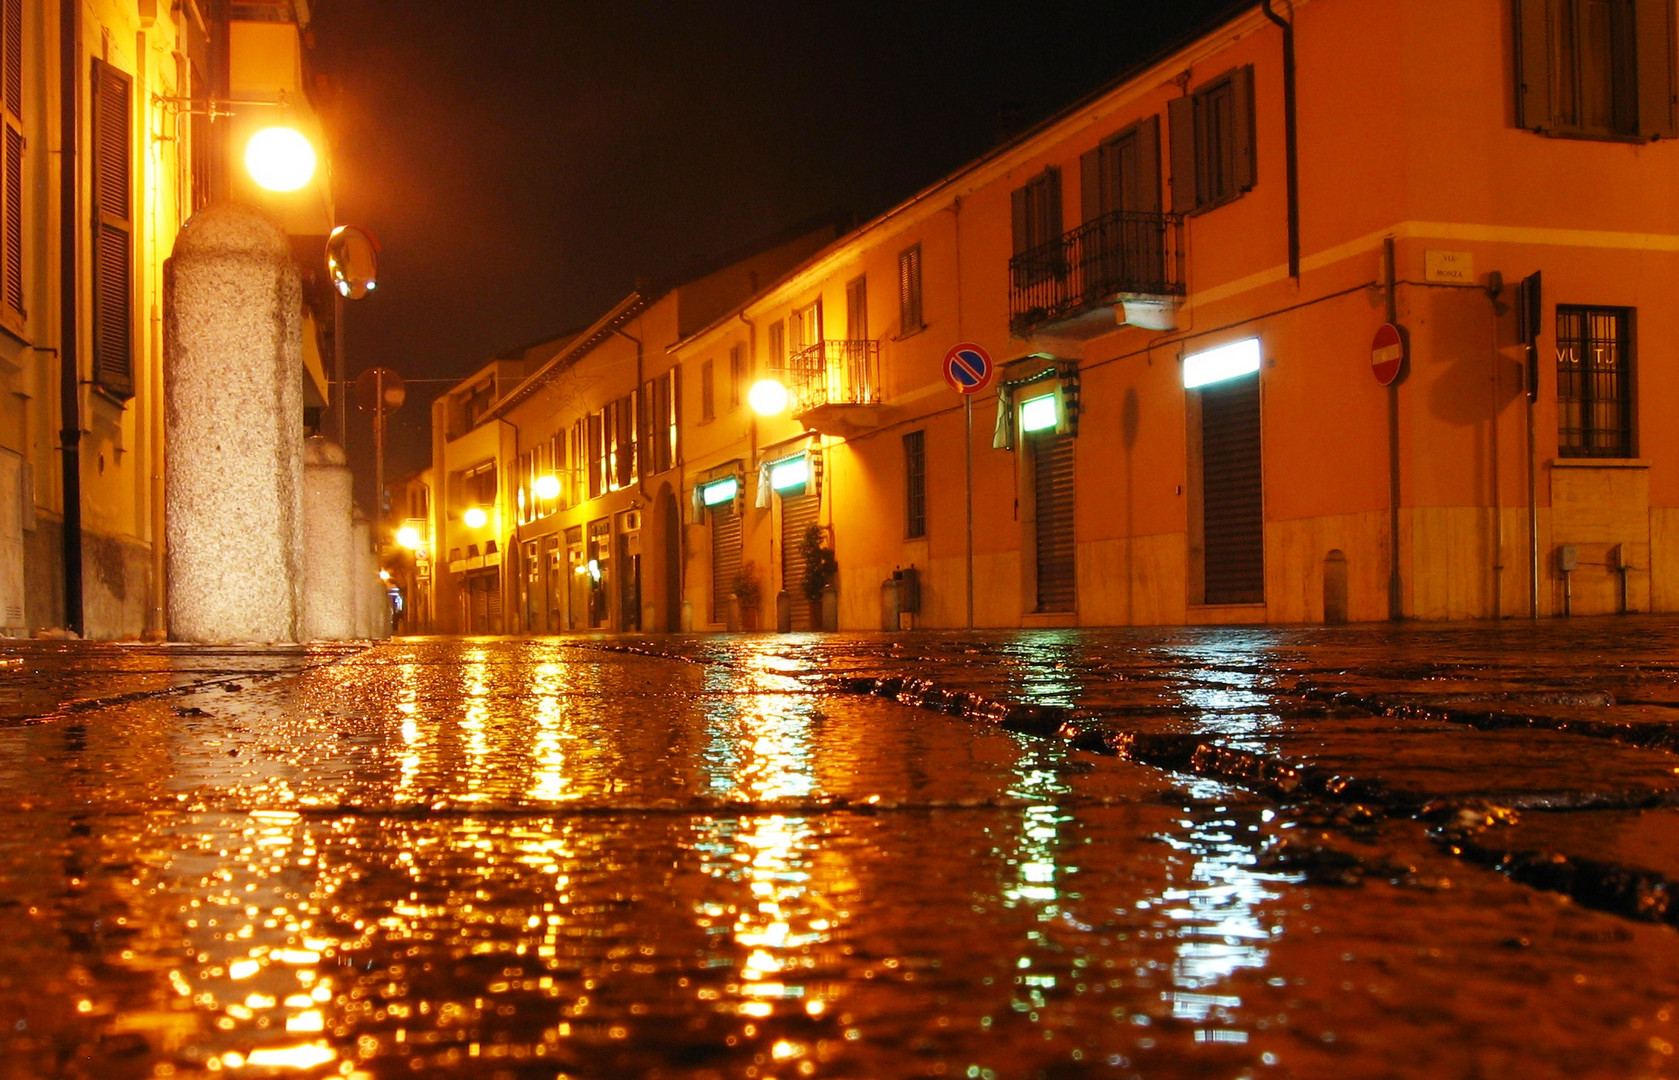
(378, 515)
(968, 455)
(1396, 594)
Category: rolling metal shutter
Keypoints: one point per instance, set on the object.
(1052, 463)
(725, 559)
(798, 514)
(1233, 516)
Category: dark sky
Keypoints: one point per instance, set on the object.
(522, 163)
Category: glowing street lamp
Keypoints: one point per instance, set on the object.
(547, 486)
(475, 517)
(767, 397)
(280, 159)
(409, 537)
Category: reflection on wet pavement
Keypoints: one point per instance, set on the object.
(541, 859)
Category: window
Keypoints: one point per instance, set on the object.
(658, 426)
(1212, 142)
(1595, 68)
(707, 408)
(577, 457)
(478, 485)
(11, 166)
(909, 290)
(624, 456)
(778, 345)
(476, 403)
(856, 310)
(915, 485)
(1594, 382)
(1037, 228)
(597, 471)
(737, 374)
(804, 326)
(113, 273)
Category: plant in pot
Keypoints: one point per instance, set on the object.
(747, 590)
(821, 568)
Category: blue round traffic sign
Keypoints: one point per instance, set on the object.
(968, 368)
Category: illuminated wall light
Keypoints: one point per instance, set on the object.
(1038, 414)
(280, 159)
(409, 537)
(547, 486)
(720, 492)
(767, 397)
(791, 473)
(475, 517)
(1225, 362)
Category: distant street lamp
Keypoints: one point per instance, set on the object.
(280, 159)
(547, 486)
(475, 517)
(409, 537)
(767, 397)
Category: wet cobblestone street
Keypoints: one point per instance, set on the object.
(1366, 852)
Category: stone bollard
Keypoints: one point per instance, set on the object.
(233, 393)
(364, 569)
(330, 568)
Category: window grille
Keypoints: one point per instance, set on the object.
(915, 485)
(1594, 383)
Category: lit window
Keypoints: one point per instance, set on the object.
(791, 473)
(1038, 413)
(720, 492)
(1225, 362)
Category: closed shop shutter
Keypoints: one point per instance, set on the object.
(479, 606)
(492, 603)
(725, 559)
(1052, 461)
(798, 514)
(1232, 495)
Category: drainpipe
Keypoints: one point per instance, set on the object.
(69, 387)
(517, 552)
(641, 467)
(1291, 140)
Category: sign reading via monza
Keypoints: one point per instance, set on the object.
(968, 368)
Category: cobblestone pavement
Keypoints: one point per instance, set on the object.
(1439, 851)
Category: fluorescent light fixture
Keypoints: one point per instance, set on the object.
(1038, 413)
(1225, 362)
(791, 473)
(720, 492)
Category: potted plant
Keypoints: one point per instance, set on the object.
(747, 590)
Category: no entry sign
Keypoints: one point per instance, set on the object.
(1387, 354)
(968, 368)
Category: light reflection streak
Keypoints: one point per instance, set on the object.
(474, 722)
(413, 739)
(549, 781)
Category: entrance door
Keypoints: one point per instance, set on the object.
(531, 563)
(577, 573)
(553, 562)
(798, 516)
(629, 571)
(1052, 495)
(1232, 495)
(598, 552)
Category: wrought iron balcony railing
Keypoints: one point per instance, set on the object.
(1121, 253)
(833, 373)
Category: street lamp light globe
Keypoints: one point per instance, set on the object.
(767, 397)
(409, 537)
(547, 486)
(280, 159)
(475, 517)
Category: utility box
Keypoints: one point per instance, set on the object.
(909, 590)
(1568, 558)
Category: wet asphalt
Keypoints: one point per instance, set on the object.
(1406, 851)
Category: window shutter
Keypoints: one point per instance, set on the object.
(11, 180)
(1653, 27)
(1020, 227)
(1533, 64)
(1247, 165)
(1148, 164)
(1180, 118)
(1052, 206)
(1090, 185)
(113, 364)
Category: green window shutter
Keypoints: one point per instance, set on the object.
(1242, 134)
(112, 271)
(1180, 121)
(1653, 25)
(1533, 64)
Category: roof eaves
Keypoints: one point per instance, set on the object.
(625, 310)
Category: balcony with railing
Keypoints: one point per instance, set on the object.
(834, 386)
(1070, 286)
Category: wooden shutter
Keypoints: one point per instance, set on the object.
(1244, 155)
(725, 559)
(1180, 121)
(1146, 186)
(1021, 229)
(856, 310)
(1232, 494)
(1052, 492)
(909, 290)
(113, 358)
(1653, 26)
(1090, 184)
(11, 179)
(1533, 64)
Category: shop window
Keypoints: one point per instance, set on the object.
(1212, 142)
(1595, 68)
(1594, 383)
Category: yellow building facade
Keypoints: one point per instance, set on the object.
(1193, 411)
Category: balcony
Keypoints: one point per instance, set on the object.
(834, 386)
(1071, 286)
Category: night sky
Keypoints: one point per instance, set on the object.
(523, 163)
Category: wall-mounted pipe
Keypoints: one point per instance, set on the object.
(1291, 139)
(69, 384)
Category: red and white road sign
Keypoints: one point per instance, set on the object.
(968, 368)
(1387, 354)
